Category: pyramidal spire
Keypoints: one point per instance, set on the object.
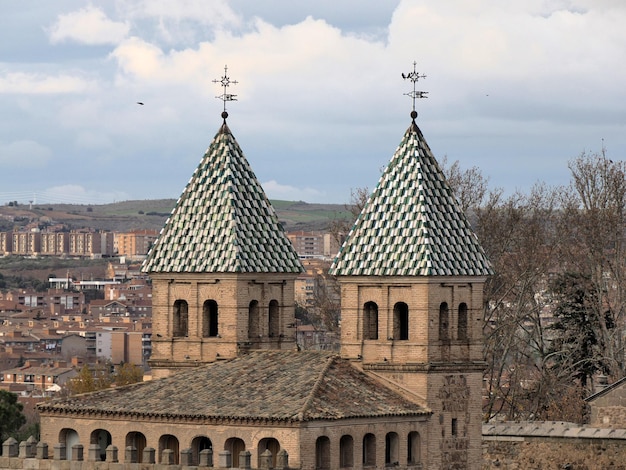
(223, 222)
(412, 224)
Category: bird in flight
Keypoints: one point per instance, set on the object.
(139, 102)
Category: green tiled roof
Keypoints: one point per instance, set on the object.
(412, 224)
(223, 221)
(266, 385)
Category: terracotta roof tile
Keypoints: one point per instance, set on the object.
(269, 385)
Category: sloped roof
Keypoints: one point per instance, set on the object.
(223, 221)
(412, 224)
(268, 385)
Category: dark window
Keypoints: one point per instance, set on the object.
(181, 319)
(210, 319)
(443, 321)
(401, 321)
(346, 452)
(462, 325)
(370, 320)
(274, 319)
(322, 453)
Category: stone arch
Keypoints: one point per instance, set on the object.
(444, 321)
(180, 326)
(167, 441)
(210, 324)
(462, 322)
(401, 321)
(138, 441)
(271, 444)
(369, 450)
(103, 438)
(370, 320)
(346, 451)
(414, 450)
(69, 437)
(198, 444)
(322, 453)
(254, 320)
(273, 319)
(392, 449)
(235, 446)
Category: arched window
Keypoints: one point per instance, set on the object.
(322, 453)
(369, 450)
(401, 321)
(167, 441)
(235, 446)
(462, 321)
(443, 321)
(370, 320)
(392, 449)
(271, 444)
(181, 319)
(414, 454)
(273, 319)
(199, 444)
(69, 437)
(138, 441)
(103, 439)
(346, 452)
(253, 320)
(209, 319)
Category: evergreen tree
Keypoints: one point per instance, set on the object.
(11, 416)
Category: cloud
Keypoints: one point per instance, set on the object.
(25, 154)
(275, 190)
(39, 84)
(89, 26)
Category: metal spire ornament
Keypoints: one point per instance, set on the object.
(414, 76)
(226, 82)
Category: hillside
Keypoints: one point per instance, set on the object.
(151, 214)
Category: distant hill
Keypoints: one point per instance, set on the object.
(151, 214)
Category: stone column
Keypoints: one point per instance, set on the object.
(10, 448)
(111, 452)
(206, 458)
(265, 462)
(149, 455)
(41, 452)
(224, 459)
(130, 454)
(77, 452)
(282, 460)
(185, 458)
(60, 451)
(93, 453)
(167, 457)
(244, 459)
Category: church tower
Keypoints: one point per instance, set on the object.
(412, 274)
(222, 269)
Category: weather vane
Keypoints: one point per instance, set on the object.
(226, 81)
(414, 76)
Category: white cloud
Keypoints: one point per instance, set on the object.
(25, 154)
(37, 84)
(275, 190)
(88, 25)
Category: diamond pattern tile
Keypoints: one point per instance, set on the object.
(223, 221)
(412, 224)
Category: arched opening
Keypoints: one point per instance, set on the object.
(346, 451)
(103, 439)
(443, 321)
(414, 455)
(209, 319)
(271, 444)
(273, 319)
(69, 437)
(462, 322)
(180, 327)
(322, 453)
(370, 320)
(392, 449)
(198, 444)
(138, 441)
(167, 441)
(253, 320)
(369, 450)
(401, 321)
(235, 446)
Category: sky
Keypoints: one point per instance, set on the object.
(516, 89)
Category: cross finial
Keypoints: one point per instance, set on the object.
(226, 81)
(414, 76)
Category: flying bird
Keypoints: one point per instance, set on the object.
(139, 102)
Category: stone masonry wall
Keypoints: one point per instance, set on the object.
(548, 454)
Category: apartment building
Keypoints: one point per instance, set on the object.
(135, 243)
(313, 244)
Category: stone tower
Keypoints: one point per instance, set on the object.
(222, 269)
(412, 273)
